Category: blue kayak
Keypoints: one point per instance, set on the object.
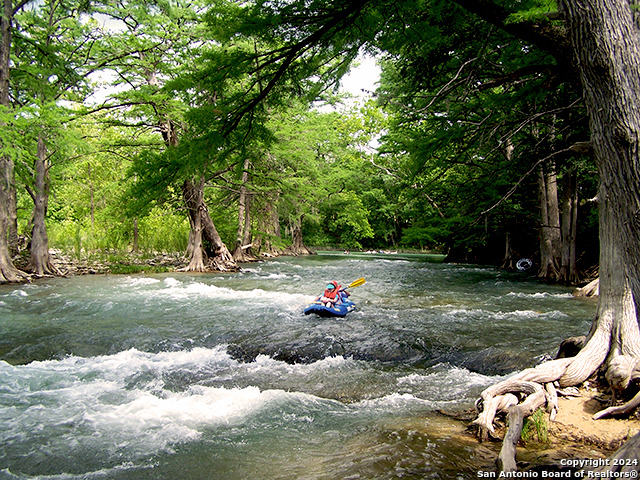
(339, 310)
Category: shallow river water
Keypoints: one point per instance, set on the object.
(221, 376)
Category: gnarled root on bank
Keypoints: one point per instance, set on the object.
(622, 370)
(500, 397)
(521, 395)
(517, 413)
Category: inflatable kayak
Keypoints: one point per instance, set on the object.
(339, 310)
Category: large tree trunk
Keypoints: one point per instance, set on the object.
(39, 261)
(246, 234)
(568, 267)
(550, 222)
(269, 239)
(194, 200)
(8, 272)
(14, 240)
(202, 228)
(510, 255)
(220, 258)
(242, 246)
(92, 203)
(297, 246)
(605, 40)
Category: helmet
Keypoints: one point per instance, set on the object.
(331, 286)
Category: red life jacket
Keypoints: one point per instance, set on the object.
(332, 293)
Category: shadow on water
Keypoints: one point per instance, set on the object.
(370, 347)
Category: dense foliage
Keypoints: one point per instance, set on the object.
(135, 98)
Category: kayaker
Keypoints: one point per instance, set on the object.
(331, 295)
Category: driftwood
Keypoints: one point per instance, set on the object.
(591, 289)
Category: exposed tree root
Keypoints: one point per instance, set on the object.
(533, 388)
(490, 408)
(517, 413)
(10, 274)
(619, 410)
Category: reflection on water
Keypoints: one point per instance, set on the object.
(222, 376)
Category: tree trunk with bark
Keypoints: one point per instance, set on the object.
(605, 40)
(241, 250)
(92, 203)
(550, 222)
(510, 260)
(247, 234)
(206, 250)
(8, 272)
(136, 235)
(39, 261)
(14, 239)
(268, 241)
(297, 246)
(568, 266)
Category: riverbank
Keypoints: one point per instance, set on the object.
(574, 435)
(114, 263)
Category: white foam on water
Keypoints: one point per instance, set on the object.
(323, 364)
(120, 365)
(446, 386)
(113, 402)
(139, 281)
(539, 295)
(394, 401)
(526, 314)
(454, 380)
(179, 290)
(463, 313)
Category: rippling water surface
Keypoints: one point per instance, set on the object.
(222, 376)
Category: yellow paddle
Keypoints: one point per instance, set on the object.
(355, 283)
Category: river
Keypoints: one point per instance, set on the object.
(221, 376)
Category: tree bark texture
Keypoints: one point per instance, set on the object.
(8, 272)
(39, 261)
(269, 237)
(550, 222)
(243, 231)
(297, 246)
(216, 256)
(605, 38)
(568, 268)
(510, 255)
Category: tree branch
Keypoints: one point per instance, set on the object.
(545, 35)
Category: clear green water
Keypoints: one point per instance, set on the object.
(182, 376)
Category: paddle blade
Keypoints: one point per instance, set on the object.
(356, 283)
